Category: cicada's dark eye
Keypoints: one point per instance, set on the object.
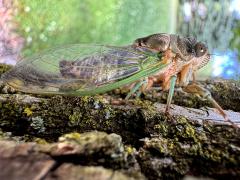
(200, 49)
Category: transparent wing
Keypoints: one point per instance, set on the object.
(75, 67)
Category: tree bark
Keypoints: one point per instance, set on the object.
(146, 142)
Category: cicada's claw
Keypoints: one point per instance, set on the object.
(220, 110)
(198, 90)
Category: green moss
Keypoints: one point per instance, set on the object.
(171, 143)
(71, 136)
(28, 111)
(185, 142)
(4, 68)
(130, 150)
(76, 113)
(75, 119)
(40, 141)
(148, 105)
(162, 128)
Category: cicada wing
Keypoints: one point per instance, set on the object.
(74, 67)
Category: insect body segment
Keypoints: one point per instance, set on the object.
(162, 42)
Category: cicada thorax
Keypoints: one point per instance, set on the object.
(162, 42)
(158, 42)
(168, 46)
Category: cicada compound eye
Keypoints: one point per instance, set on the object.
(200, 49)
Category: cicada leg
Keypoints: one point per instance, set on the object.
(171, 91)
(143, 87)
(194, 77)
(185, 74)
(202, 92)
(148, 83)
(137, 87)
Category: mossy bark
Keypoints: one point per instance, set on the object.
(188, 141)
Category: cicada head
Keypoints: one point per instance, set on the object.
(193, 50)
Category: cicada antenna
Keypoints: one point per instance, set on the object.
(224, 54)
(214, 54)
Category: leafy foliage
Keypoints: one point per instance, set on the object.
(209, 21)
(235, 43)
(50, 23)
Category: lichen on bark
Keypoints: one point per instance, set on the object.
(188, 141)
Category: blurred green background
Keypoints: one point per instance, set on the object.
(47, 23)
(28, 26)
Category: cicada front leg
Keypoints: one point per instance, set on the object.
(204, 93)
(184, 75)
(167, 56)
(194, 88)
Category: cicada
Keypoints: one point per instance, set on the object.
(82, 69)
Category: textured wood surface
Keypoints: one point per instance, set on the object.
(115, 139)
